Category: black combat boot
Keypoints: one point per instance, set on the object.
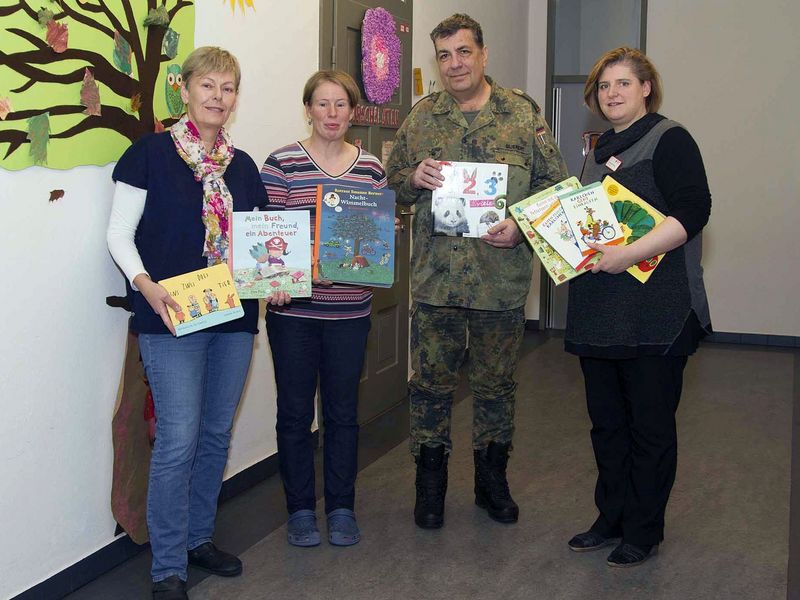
(491, 485)
(431, 486)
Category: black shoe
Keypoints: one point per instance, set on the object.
(171, 588)
(630, 555)
(431, 484)
(491, 484)
(590, 540)
(209, 558)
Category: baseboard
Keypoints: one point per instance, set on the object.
(754, 339)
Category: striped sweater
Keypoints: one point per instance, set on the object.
(291, 177)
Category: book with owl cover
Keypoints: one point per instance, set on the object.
(354, 235)
(271, 252)
(207, 297)
(591, 217)
(527, 211)
(472, 198)
(637, 218)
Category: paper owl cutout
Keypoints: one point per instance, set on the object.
(172, 90)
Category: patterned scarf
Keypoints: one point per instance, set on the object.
(208, 168)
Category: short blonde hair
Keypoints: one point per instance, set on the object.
(642, 68)
(210, 59)
(340, 78)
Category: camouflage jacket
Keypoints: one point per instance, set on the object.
(467, 272)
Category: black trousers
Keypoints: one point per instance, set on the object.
(632, 404)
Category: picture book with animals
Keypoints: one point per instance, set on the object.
(637, 218)
(527, 211)
(354, 235)
(591, 217)
(207, 297)
(271, 252)
(472, 198)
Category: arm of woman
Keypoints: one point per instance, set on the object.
(665, 236)
(126, 212)
(681, 178)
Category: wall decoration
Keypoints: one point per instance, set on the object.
(80, 80)
(241, 4)
(380, 55)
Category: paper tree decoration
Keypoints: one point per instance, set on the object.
(82, 79)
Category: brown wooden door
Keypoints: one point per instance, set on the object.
(385, 376)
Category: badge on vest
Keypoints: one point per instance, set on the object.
(613, 163)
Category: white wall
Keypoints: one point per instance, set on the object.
(62, 347)
(730, 76)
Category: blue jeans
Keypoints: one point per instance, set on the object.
(196, 382)
(302, 349)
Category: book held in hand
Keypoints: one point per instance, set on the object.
(591, 217)
(472, 199)
(354, 235)
(637, 218)
(206, 297)
(528, 211)
(271, 252)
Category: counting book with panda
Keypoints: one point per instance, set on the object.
(472, 199)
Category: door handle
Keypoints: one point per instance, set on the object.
(404, 213)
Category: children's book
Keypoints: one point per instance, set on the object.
(354, 235)
(271, 252)
(472, 198)
(637, 218)
(527, 211)
(553, 226)
(591, 217)
(207, 297)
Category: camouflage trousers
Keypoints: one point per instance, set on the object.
(438, 343)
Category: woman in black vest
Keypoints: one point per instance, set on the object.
(633, 338)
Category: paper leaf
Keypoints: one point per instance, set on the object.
(158, 126)
(44, 16)
(56, 195)
(39, 136)
(158, 17)
(57, 35)
(5, 108)
(90, 94)
(136, 102)
(169, 45)
(122, 53)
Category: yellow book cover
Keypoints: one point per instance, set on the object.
(207, 297)
(637, 218)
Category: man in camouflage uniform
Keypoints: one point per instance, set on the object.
(466, 286)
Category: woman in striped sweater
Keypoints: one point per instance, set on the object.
(325, 337)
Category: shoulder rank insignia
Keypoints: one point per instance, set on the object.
(519, 92)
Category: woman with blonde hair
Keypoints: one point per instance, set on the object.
(634, 339)
(173, 196)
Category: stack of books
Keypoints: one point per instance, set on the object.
(559, 221)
